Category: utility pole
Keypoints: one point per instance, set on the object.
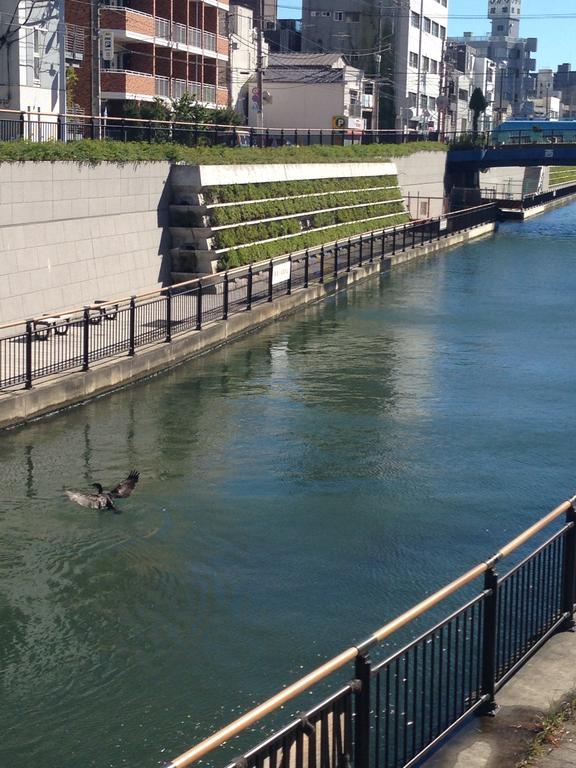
(260, 63)
(378, 61)
(95, 50)
(419, 56)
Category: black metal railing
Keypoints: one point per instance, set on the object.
(75, 340)
(37, 126)
(393, 713)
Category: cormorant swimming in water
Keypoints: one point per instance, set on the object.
(105, 499)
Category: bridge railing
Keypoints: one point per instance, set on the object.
(394, 713)
(40, 127)
(75, 340)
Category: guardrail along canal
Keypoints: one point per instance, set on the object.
(298, 489)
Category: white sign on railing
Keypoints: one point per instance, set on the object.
(281, 272)
(107, 45)
(443, 225)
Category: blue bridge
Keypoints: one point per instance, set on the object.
(507, 155)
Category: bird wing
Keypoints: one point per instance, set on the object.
(84, 499)
(125, 488)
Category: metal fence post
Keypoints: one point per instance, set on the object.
(568, 583)
(86, 339)
(169, 315)
(394, 241)
(28, 359)
(360, 254)
(249, 288)
(199, 307)
(336, 250)
(270, 282)
(348, 261)
(306, 268)
(132, 327)
(226, 298)
(404, 238)
(321, 278)
(371, 247)
(489, 641)
(289, 284)
(362, 707)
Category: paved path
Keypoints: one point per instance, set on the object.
(502, 741)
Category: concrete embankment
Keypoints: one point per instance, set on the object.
(71, 388)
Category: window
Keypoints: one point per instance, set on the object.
(412, 99)
(435, 29)
(352, 17)
(415, 19)
(432, 103)
(314, 13)
(326, 14)
(427, 24)
(462, 94)
(425, 64)
(442, 32)
(413, 60)
(36, 54)
(433, 67)
(338, 15)
(423, 101)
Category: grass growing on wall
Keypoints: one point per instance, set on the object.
(562, 175)
(260, 252)
(88, 152)
(228, 238)
(234, 193)
(254, 211)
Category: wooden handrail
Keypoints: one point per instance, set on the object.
(250, 717)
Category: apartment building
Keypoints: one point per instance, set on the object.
(148, 49)
(466, 70)
(32, 67)
(398, 41)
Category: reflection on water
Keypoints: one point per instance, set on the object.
(297, 489)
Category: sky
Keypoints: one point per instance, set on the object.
(540, 18)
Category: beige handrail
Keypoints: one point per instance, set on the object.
(273, 703)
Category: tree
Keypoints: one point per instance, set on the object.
(477, 106)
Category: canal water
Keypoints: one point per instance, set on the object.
(298, 489)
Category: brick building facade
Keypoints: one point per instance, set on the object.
(156, 49)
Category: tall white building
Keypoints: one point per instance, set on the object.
(32, 62)
(400, 42)
(419, 42)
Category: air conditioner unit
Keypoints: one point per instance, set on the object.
(270, 25)
(266, 96)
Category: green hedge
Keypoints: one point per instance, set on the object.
(254, 211)
(233, 193)
(94, 152)
(239, 235)
(238, 257)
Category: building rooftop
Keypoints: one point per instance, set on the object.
(302, 74)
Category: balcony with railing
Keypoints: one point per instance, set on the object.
(127, 84)
(131, 24)
(175, 88)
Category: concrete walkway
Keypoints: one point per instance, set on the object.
(548, 679)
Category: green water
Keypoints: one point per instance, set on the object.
(298, 489)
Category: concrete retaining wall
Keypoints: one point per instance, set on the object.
(50, 395)
(70, 234)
